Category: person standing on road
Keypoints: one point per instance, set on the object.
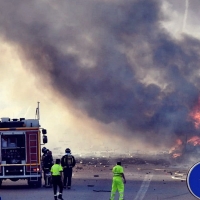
(47, 164)
(56, 172)
(68, 162)
(44, 151)
(118, 181)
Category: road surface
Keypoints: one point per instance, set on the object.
(93, 182)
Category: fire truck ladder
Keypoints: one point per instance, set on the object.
(33, 157)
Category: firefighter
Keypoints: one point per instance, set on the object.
(47, 164)
(118, 181)
(68, 162)
(44, 151)
(56, 172)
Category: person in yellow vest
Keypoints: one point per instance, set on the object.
(118, 181)
(56, 172)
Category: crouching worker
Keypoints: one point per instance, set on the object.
(56, 171)
(118, 181)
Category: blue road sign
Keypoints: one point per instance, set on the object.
(193, 180)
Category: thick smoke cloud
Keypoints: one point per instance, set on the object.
(113, 59)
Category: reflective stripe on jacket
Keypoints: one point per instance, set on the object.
(117, 171)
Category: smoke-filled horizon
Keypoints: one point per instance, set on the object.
(112, 59)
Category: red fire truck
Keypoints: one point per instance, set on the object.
(20, 149)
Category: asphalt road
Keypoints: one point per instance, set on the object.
(92, 182)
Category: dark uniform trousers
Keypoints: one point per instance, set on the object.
(47, 164)
(46, 170)
(56, 181)
(67, 176)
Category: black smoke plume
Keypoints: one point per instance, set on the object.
(113, 59)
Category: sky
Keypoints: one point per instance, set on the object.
(109, 75)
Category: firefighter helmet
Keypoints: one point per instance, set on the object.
(67, 150)
(44, 149)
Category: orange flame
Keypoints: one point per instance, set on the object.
(176, 155)
(176, 150)
(195, 115)
(195, 141)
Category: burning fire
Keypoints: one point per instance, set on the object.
(176, 150)
(195, 115)
(176, 155)
(195, 140)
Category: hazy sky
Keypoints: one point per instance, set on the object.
(108, 74)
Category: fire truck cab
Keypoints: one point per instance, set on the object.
(20, 150)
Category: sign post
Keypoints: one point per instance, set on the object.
(193, 180)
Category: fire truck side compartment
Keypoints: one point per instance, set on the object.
(20, 147)
(13, 152)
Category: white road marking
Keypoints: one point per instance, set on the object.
(144, 187)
